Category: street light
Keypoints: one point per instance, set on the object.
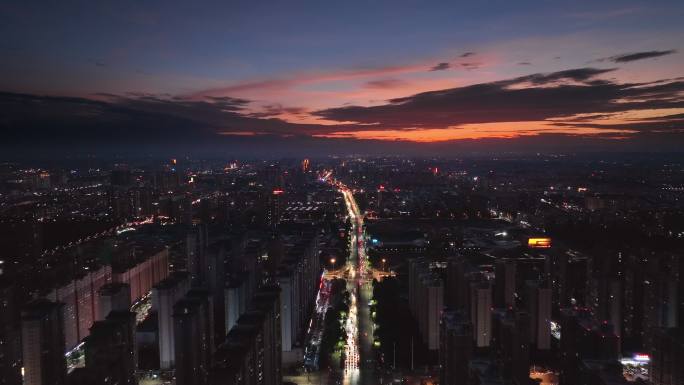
(383, 264)
(332, 261)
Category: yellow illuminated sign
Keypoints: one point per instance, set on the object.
(539, 243)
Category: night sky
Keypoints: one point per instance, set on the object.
(339, 76)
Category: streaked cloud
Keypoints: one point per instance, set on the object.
(385, 83)
(441, 67)
(630, 57)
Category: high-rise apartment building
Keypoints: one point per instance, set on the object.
(114, 297)
(192, 342)
(164, 296)
(110, 355)
(42, 336)
(426, 298)
(504, 284)
(538, 305)
(10, 335)
(667, 357)
(480, 312)
(455, 349)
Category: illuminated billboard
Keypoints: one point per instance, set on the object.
(539, 243)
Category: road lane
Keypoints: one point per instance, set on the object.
(360, 361)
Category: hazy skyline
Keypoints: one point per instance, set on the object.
(304, 74)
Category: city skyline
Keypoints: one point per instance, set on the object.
(352, 270)
(342, 193)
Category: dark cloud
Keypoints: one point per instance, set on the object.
(534, 97)
(576, 74)
(32, 120)
(667, 117)
(471, 66)
(229, 104)
(385, 83)
(524, 63)
(441, 67)
(630, 57)
(272, 110)
(468, 54)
